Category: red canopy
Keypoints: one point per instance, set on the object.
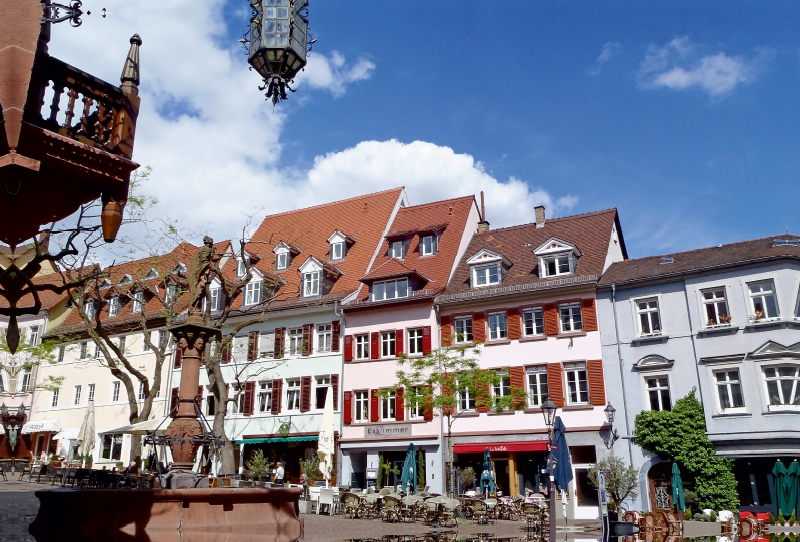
(529, 446)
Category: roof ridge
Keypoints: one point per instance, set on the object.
(556, 219)
(438, 202)
(769, 237)
(337, 202)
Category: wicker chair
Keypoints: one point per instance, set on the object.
(391, 509)
(352, 504)
(447, 513)
(480, 512)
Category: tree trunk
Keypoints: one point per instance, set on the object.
(452, 469)
(136, 450)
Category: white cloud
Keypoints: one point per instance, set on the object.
(214, 142)
(609, 49)
(677, 66)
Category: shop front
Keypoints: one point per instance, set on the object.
(289, 450)
(520, 467)
(41, 433)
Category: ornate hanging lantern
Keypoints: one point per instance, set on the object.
(278, 44)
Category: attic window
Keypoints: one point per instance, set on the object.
(339, 243)
(786, 243)
(180, 268)
(126, 279)
(282, 260)
(397, 249)
(554, 266)
(105, 284)
(151, 274)
(486, 275)
(337, 250)
(667, 260)
(429, 245)
(487, 268)
(557, 258)
(241, 268)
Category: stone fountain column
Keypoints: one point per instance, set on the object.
(185, 430)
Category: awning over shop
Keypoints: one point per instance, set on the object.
(276, 439)
(67, 434)
(143, 428)
(41, 426)
(479, 448)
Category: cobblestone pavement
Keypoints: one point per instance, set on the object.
(19, 505)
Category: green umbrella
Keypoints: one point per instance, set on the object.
(408, 479)
(786, 487)
(677, 489)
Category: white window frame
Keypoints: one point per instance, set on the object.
(293, 386)
(337, 251)
(466, 333)
(241, 268)
(88, 308)
(90, 392)
(795, 391)
(647, 313)
(362, 346)
(558, 261)
(573, 308)
(320, 382)
(113, 306)
(312, 282)
(388, 407)
(498, 326)
(264, 397)
(537, 385)
(714, 303)
(253, 292)
(501, 389)
(535, 317)
(83, 350)
(466, 403)
(728, 383)
(62, 350)
(26, 380)
(763, 294)
(141, 396)
(388, 344)
(120, 343)
(381, 289)
(172, 291)
(361, 406)
(33, 335)
(324, 337)
(482, 275)
(397, 250)
(115, 386)
(54, 399)
(215, 298)
(429, 245)
(577, 383)
(415, 343)
(282, 261)
(294, 337)
(659, 388)
(415, 410)
(137, 303)
(76, 398)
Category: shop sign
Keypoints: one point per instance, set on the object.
(390, 430)
(372, 473)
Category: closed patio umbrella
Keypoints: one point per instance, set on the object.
(562, 473)
(325, 442)
(487, 476)
(677, 489)
(786, 487)
(408, 478)
(85, 438)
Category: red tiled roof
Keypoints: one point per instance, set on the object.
(449, 217)
(364, 218)
(703, 259)
(590, 233)
(48, 298)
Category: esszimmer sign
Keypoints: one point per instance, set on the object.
(391, 430)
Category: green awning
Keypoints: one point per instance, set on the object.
(276, 439)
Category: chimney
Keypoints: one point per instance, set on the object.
(483, 225)
(539, 209)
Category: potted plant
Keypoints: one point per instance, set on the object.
(257, 465)
(309, 475)
(467, 476)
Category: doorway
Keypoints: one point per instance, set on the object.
(502, 480)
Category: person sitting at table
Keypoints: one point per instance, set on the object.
(132, 468)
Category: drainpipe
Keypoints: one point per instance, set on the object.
(444, 455)
(621, 370)
(338, 311)
(694, 347)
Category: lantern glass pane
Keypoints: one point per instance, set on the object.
(283, 13)
(269, 26)
(283, 26)
(283, 39)
(270, 13)
(269, 39)
(269, 2)
(283, 2)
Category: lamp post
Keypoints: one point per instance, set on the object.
(549, 412)
(613, 436)
(278, 45)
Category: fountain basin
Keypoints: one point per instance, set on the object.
(167, 514)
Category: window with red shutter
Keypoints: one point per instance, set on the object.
(447, 331)
(173, 405)
(277, 396)
(308, 339)
(252, 345)
(597, 388)
(178, 357)
(399, 343)
(249, 398)
(225, 357)
(399, 405)
(375, 345)
(348, 348)
(305, 394)
(555, 383)
(479, 327)
(279, 342)
(347, 409)
(589, 315)
(427, 407)
(335, 391)
(551, 320)
(484, 397)
(426, 340)
(335, 332)
(374, 406)
(514, 328)
(517, 379)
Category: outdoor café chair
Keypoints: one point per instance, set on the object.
(390, 511)
(325, 499)
(42, 474)
(447, 513)
(352, 504)
(385, 491)
(370, 506)
(480, 511)
(5, 467)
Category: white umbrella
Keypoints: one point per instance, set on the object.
(325, 444)
(86, 435)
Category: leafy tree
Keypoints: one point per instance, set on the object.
(438, 380)
(680, 434)
(622, 479)
(24, 361)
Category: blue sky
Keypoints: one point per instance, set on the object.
(683, 116)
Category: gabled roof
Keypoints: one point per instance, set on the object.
(48, 299)
(701, 260)
(364, 218)
(591, 231)
(449, 218)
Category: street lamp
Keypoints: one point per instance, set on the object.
(279, 43)
(549, 412)
(613, 435)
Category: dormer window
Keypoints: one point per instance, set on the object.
(241, 268)
(397, 249)
(126, 279)
(105, 284)
(284, 254)
(89, 309)
(180, 269)
(339, 243)
(113, 306)
(487, 268)
(138, 301)
(429, 245)
(282, 260)
(151, 274)
(337, 251)
(311, 283)
(390, 289)
(486, 275)
(252, 293)
(556, 258)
